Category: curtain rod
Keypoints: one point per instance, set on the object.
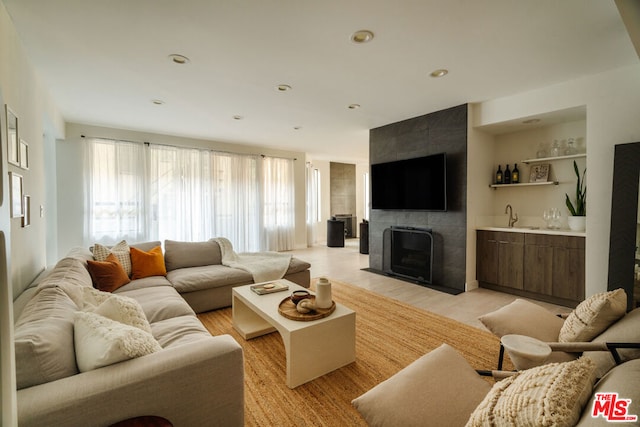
(188, 147)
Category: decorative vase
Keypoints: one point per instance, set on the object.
(323, 293)
(577, 223)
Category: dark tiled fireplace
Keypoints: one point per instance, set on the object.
(411, 253)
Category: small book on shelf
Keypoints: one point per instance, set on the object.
(269, 288)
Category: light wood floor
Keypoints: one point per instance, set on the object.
(346, 264)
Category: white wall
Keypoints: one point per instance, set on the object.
(22, 249)
(70, 183)
(612, 101)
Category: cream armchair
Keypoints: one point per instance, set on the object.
(598, 328)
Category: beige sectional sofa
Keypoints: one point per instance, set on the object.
(182, 373)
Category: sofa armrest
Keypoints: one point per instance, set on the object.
(194, 384)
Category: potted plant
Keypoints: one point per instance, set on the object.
(578, 212)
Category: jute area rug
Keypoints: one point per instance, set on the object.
(389, 336)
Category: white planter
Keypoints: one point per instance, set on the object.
(577, 223)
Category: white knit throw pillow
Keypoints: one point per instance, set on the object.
(548, 395)
(100, 341)
(593, 315)
(116, 307)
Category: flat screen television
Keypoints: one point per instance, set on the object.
(412, 184)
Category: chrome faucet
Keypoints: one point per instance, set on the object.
(512, 219)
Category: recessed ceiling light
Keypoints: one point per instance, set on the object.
(238, 117)
(283, 88)
(157, 101)
(362, 36)
(531, 121)
(297, 127)
(179, 59)
(439, 73)
(354, 106)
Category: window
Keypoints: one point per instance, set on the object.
(162, 192)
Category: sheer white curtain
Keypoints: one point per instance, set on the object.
(115, 207)
(313, 191)
(198, 194)
(278, 204)
(157, 192)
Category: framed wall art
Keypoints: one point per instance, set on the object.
(26, 218)
(24, 154)
(15, 187)
(13, 142)
(540, 173)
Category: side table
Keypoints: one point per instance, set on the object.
(525, 352)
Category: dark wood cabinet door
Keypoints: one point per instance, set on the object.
(568, 273)
(510, 263)
(538, 269)
(487, 257)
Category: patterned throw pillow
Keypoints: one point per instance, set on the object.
(121, 251)
(593, 315)
(548, 395)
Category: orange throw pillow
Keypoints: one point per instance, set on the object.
(108, 275)
(145, 264)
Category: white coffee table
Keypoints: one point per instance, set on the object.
(313, 348)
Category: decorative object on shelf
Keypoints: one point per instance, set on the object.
(15, 182)
(542, 152)
(515, 175)
(323, 293)
(13, 148)
(553, 218)
(555, 148)
(571, 147)
(507, 175)
(540, 172)
(499, 175)
(577, 220)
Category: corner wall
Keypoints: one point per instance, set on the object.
(442, 131)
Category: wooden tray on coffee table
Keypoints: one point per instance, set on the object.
(288, 309)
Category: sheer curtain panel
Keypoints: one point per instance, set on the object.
(278, 204)
(114, 192)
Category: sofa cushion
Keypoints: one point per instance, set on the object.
(297, 265)
(121, 251)
(552, 394)
(423, 392)
(160, 303)
(120, 308)
(147, 263)
(191, 254)
(108, 275)
(100, 341)
(522, 317)
(44, 339)
(178, 331)
(210, 276)
(626, 329)
(67, 273)
(623, 380)
(593, 315)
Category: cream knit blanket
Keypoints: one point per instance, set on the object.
(263, 266)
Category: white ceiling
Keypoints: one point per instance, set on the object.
(104, 61)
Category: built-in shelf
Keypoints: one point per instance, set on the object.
(548, 159)
(524, 184)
